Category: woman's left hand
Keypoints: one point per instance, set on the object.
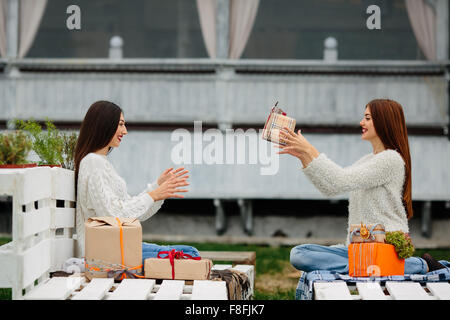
(170, 173)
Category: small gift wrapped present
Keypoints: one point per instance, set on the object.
(177, 265)
(275, 122)
(369, 233)
(113, 248)
(374, 260)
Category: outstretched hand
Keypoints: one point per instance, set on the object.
(170, 173)
(169, 184)
(297, 146)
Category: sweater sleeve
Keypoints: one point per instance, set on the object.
(331, 179)
(105, 201)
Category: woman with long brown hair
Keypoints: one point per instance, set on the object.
(99, 189)
(379, 185)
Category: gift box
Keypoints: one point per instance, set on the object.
(113, 248)
(374, 260)
(369, 233)
(275, 122)
(177, 265)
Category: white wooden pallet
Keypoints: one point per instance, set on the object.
(77, 288)
(396, 290)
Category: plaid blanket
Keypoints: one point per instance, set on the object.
(305, 287)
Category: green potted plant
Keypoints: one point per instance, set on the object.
(54, 148)
(401, 242)
(14, 149)
(48, 144)
(69, 143)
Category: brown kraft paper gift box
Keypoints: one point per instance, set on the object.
(103, 245)
(185, 269)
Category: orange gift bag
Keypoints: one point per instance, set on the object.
(374, 260)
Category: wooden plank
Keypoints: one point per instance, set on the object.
(34, 221)
(133, 289)
(407, 291)
(63, 218)
(221, 266)
(370, 291)
(63, 184)
(58, 288)
(62, 250)
(95, 290)
(331, 291)
(440, 290)
(236, 257)
(170, 290)
(35, 261)
(209, 290)
(34, 184)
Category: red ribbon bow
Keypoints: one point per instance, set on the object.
(172, 255)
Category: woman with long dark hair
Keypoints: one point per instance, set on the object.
(379, 185)
(99, 189)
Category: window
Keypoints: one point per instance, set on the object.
(149, 29)
(292, 29)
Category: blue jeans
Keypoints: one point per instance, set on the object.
(311, 257)
(150, 250)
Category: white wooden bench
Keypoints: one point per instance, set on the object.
(391, 290)
(43, 218)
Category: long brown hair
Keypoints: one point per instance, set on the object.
(97, 129)
(390, 126)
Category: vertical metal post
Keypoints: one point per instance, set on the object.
(222, 28)
(12, 29)
(220, 221)
(442, 29)
(426, 219)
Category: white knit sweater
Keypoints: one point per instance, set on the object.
(375, 183)
(102, 192)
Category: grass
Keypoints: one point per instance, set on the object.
(275, 278)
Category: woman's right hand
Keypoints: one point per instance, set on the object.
(169, 188)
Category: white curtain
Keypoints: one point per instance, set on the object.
(30, 15)
(422, 16)
(207, 14)
(242, 18)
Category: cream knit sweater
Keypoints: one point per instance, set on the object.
(375, 186)
(102, 192)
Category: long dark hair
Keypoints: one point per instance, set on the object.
(389, 122)
(97, 129)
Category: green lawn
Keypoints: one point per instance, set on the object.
(275, 278)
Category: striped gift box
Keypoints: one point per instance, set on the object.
(275, 122)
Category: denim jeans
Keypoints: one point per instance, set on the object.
(150, 250)
(311, 257)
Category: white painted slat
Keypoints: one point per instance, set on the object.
(221, 266)
(63, 186)
(370, 291)
(407, 291)
(34, 184)
(9, 266)
(63, 218)
(36, 261)
(440, 290)
(331, 291)
(95, 290)
(58, 288)
(62, 250)
(35, 221)
(209, 290)
(133, 289)
(170, 290)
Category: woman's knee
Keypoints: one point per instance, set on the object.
(299, 257)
